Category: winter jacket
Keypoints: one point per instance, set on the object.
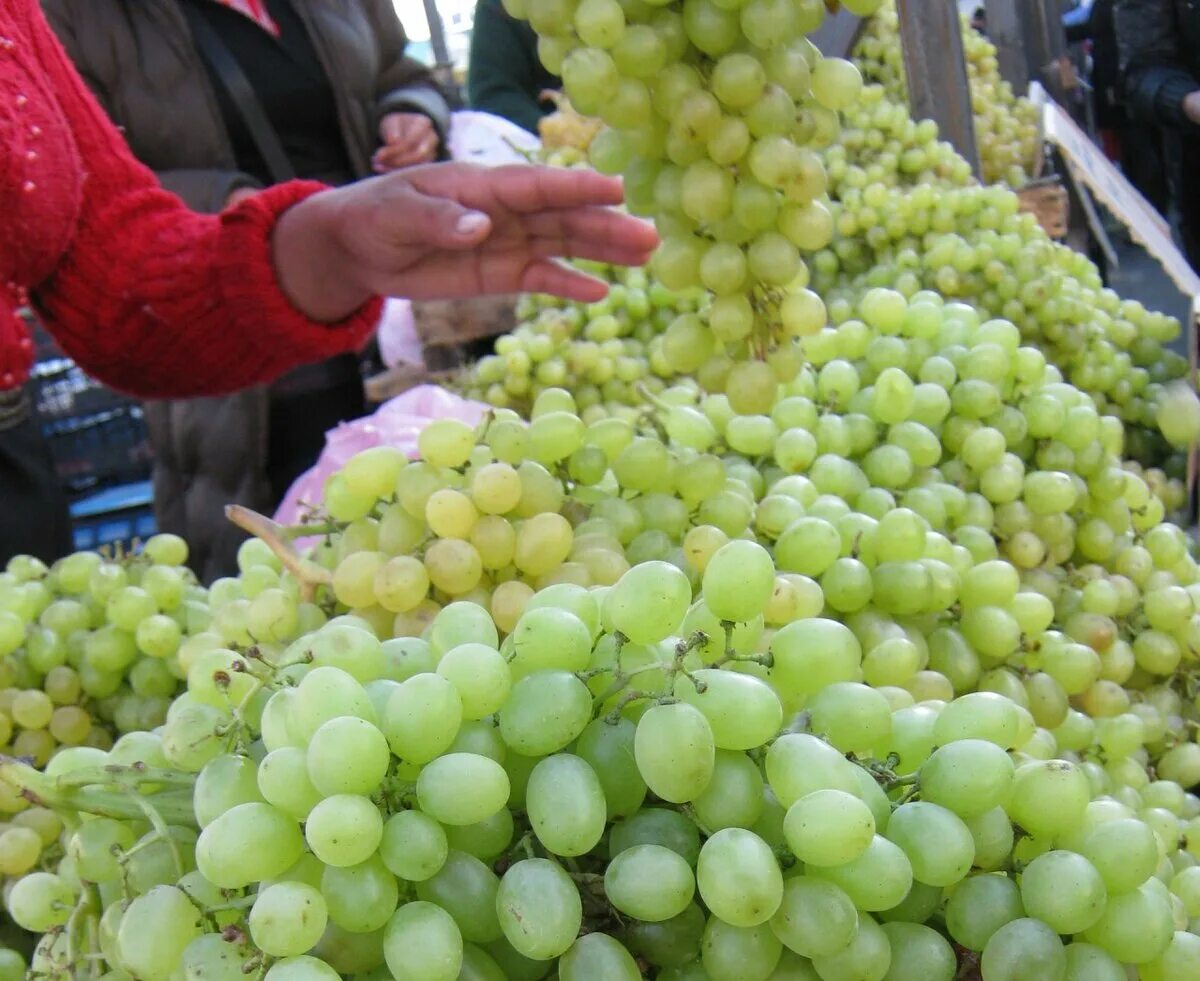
(1159, 43)
(139, 58)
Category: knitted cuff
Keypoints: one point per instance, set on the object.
(1173, 88)
(249, 284)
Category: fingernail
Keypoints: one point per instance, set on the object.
(472, 223)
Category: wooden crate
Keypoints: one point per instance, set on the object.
(445, 323)
(1048, 201)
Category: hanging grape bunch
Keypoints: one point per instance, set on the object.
(715, 111)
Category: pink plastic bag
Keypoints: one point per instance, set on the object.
(398, 422)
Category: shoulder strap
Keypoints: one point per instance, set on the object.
(227, 69)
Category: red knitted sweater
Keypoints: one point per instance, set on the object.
(145, 294)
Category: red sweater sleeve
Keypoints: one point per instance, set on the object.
(157, 300)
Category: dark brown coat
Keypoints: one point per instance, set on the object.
(139, 58)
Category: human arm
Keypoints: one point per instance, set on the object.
(411, 110)
(1158, 86)
(504, 77)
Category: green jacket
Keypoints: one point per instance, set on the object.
(505, 76)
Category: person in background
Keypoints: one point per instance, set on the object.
(505, 76)
(979, 21)
(327, 84)
(159, 301)
(1134, 144)
(1159, 46)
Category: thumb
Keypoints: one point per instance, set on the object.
(391, 128)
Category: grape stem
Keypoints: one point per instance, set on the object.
(118, 803)
(125, 776)
(278, 539)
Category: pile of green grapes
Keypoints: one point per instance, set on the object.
(87, 648)
(1006, 125)
(888, 672)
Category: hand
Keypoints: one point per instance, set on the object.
(1191, 106)
(451, 230)
(240, 194)
(408, 138)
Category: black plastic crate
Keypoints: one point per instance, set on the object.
(101, 449)
(116, 516)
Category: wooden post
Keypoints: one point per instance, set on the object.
(1004, 31)
(930, 33)
(836, 36)
(1045, 41)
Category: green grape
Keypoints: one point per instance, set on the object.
(462, 788)
(608, 748)
(919, 952)
(728, 951)
(648, 603)
(347, 755)
(741, 710)
(1048, 797)
(539, 908)
(1064, 891)
(734, 796)
(657, 826)
(225, 782)
(466, 889)
(649, 882)
(1136, 926)
(303, 968)
(968, 777)
(422, 941)
(359, 898)
(828, 827)
(738, 581)
(674, 750)
(979, 906)
(248, 843)
(598, 955)
(287, 919)
(545, 712)
(565, 803)
(343, 830)
(422, 717)
(798, 764)
(40, 901)
(815, 918)
(877, 880)
(413, 845)
(155, 930)
(1024, 948)
(868, 955)
(738, 877)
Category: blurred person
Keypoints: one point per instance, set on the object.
(1159, 47)
(219, 98)
(162, 302)
(1134, 144)
(979, 21)
(505, 76)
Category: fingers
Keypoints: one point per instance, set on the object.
(592, 227)
(409, 139)
(545, 276)
(531, 189)
(410, 217)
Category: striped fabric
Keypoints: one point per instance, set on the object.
(256, 10)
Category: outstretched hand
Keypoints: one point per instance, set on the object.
(453, 230)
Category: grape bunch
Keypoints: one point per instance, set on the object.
(1006, 125)
(707, 693)
(973, 244)
(602, 352)
(714, 114)
(88, 646)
